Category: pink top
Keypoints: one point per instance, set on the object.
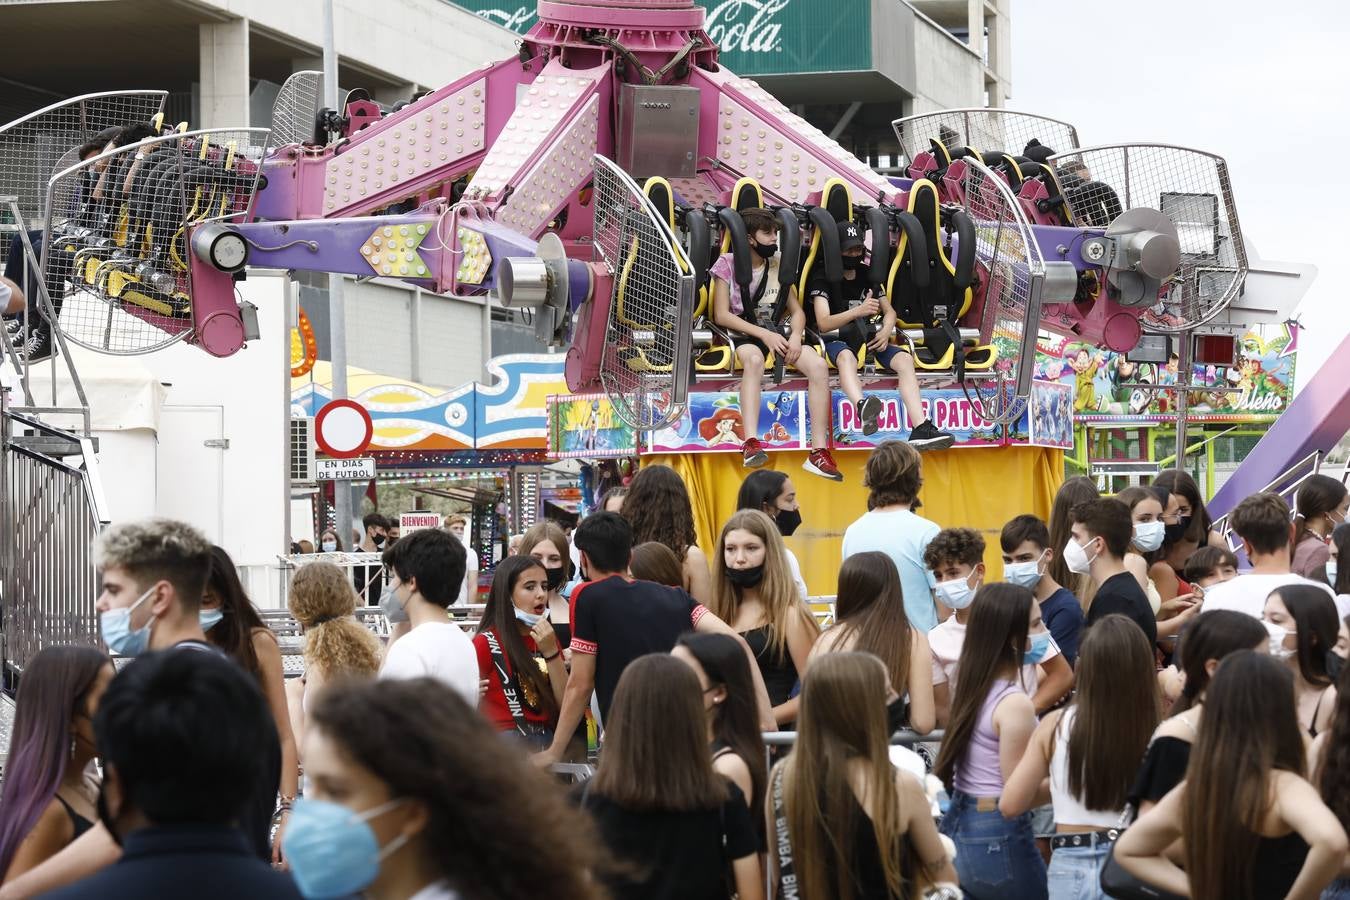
(1310, 555)
(722, 269)
(978, 774)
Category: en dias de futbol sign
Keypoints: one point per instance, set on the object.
(756, 37)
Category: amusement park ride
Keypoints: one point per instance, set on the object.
(593, 179)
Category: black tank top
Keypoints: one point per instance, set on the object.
(780, 675)
(868, 876)
(1278, 862)
(80, 823)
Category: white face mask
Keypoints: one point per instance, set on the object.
(1076, 558)
(957, 593)
(1277, 636)
(1148, 536)
(1024, 574)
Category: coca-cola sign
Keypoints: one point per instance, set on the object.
(755, 37)
(746, 26)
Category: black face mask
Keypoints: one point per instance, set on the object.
(787, 521)
(854, 262)
(1334, 666)
(377, 540)
(1174, 533)
(897, 715)
(746, 577)
(555, 577)
(766, 250)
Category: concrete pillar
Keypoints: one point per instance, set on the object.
(223, 63)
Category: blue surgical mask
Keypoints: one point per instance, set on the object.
(1023, 574)
(328, 546)
(530, 619)
(392, 607)
(331, 849)
(116, 627)
(1331, 573)
(210, 618)
(956, 594)
(1038, 645)
(1148, 536)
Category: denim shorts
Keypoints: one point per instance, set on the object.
(996, 858)
(882, 359)
(1337, 890)
(1075, 873)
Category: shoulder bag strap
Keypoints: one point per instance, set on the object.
(507, 682)
(787, 876)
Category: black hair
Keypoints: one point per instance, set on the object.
(607, 540)
(234, 633)
(435, 558)
(760, 490)
(374, 520)
(1109, 519)
(181, 729)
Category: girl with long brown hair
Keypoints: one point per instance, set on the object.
(232, 624)
(518, 653)
(753, 592)
(1253, 827)
(1320, 506)
(1204, 644)
(1148, 511)
(846, 824)
(869, 617)
(991, 723)
(547, 542)
(1090, 752)
(1302, 619)
(719, 662)
(657, 505)
(676, 826)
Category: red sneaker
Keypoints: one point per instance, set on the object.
(821, 463)
(753, 453)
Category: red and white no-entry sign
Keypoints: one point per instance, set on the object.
(343, 429)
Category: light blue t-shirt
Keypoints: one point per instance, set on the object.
(903, 537)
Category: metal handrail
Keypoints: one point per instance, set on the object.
(1278, 485)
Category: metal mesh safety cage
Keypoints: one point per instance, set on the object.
(1190, 187)
(1011, 272)
(982, 129)
(115, 259)
(296, 108)
(36, 145)
(648, 342)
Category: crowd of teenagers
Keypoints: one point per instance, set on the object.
(1123, 710)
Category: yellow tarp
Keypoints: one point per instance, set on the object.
(979, 489)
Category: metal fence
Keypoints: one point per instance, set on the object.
(51, 510)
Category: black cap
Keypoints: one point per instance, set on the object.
(850, 235)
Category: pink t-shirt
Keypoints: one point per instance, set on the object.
(724, 271)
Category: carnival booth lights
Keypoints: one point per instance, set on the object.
(481, 444)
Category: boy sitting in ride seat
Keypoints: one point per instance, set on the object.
(756, 335)
(849, 315)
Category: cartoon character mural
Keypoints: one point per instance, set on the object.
(1108, 384)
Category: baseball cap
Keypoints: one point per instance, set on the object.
(850, 235)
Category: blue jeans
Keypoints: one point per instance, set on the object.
(1075, 873)
(996, 858)
(1337, 890)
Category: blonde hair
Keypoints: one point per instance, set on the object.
(547, 530)
(777, 591)
(323, 601)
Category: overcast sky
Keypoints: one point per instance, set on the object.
(1265, 86)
